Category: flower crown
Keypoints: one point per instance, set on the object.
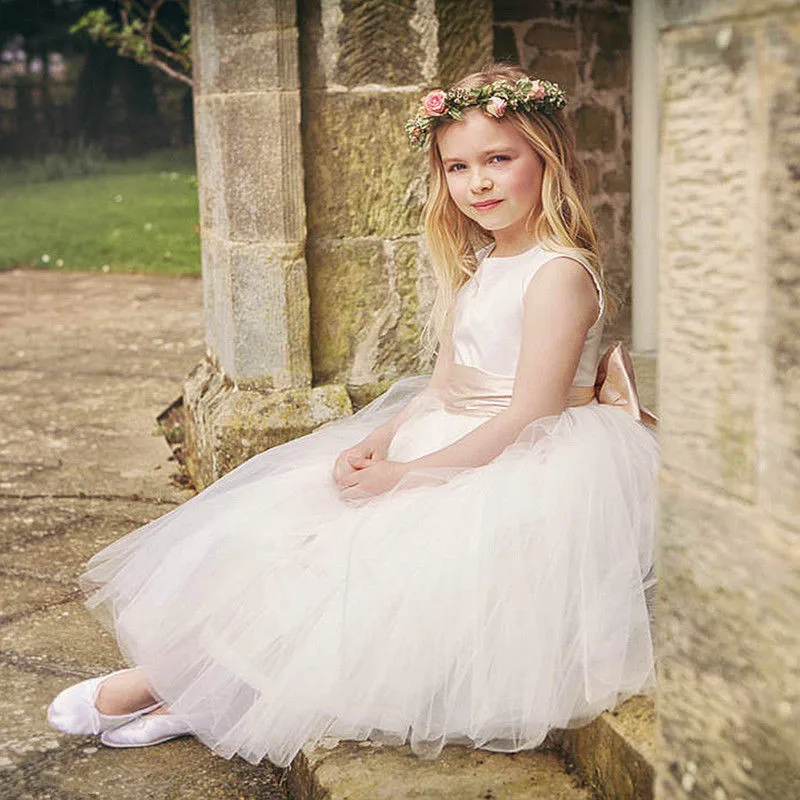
(526, 94)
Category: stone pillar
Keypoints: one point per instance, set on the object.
(365, 67)
(728, 636)
(644, 177)
(254, 388)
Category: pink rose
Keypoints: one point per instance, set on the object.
(496, 106)
(537, 91)
(434, 102)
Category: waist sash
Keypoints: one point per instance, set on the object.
(472, 391)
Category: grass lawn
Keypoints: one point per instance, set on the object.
(136, 216)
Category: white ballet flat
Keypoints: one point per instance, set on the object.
(74, 709)
(147, 731)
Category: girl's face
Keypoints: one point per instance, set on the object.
(486, 159)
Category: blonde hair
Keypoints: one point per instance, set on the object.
(565, 218)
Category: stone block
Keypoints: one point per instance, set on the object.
(377, 44)
(269, 310)
(552, 36)
(250, 166)
(616, 752)
(609, 30)
(464, 29)
(368, 771)
(227, 425)
(595, 128)
(672, 13)
(556, 67)
(363, 179)
(258, 62)
(364, 310)
(728, 644)
(710, 282)
(611, 71)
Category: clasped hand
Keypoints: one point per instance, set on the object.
(362, 471)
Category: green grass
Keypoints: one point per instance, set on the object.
(139, 215)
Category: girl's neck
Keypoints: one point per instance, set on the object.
(510, 249)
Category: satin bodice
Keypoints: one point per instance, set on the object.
(487, 322)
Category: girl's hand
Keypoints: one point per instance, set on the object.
(360, 456)
(375, 479)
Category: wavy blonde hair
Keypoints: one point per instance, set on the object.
(565, 217)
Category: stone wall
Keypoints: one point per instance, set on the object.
(364, 67)
(584, 46)
(729, 375)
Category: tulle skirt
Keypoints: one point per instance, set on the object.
(479, 606)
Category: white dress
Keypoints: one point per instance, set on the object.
(484, 606)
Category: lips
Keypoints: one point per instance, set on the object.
(486, 204)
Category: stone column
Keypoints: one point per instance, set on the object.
(254, 388)
(644, 176)
(729, 564)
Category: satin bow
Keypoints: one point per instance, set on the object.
(615, 384)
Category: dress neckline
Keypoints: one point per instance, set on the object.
(493, 245)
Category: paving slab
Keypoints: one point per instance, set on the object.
(58, 547)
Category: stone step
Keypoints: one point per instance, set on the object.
(367, 771)
(615, 753)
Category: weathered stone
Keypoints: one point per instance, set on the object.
(710, 230)
(618, 180)
(249, 62)
(552, 36)
(616, 752)
(58, 547)
(611, 71)
(227, 425)
(269, 299)
(606, 223)
(251, 189)
(464, 30)
(610, 30)
(362, 184)
(365, 310)
(505, 45)
(372, 772)
(378, 43)
(595, 128)
(64, 636)
(698, 12)
(729, 698)
(555, 67)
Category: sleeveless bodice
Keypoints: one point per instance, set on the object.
(487, 323)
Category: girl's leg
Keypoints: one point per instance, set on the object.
(124, 694)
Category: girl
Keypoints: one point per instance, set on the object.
(463, 560)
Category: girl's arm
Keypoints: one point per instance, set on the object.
(560, 305)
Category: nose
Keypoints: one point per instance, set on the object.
(480, 182)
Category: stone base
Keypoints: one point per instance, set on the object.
(226, 424)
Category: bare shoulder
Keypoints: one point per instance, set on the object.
(567, 284)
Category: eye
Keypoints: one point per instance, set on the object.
(459, 164)
(500, 156)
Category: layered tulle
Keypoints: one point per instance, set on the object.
(483, 605)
